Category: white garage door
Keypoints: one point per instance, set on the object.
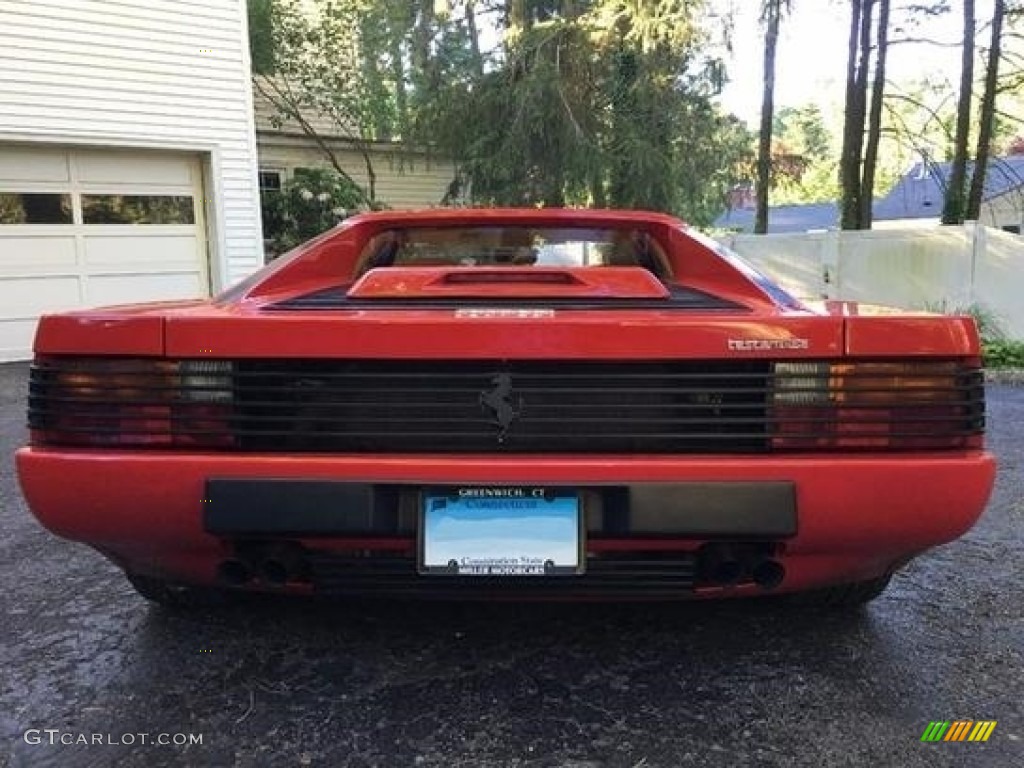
(84, 228)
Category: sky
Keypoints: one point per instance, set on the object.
(811, 62)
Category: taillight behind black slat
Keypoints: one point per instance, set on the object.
(554, 407)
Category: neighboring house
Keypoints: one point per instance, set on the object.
(915, 201)
(127, 155)
(405, 178)
(783, 218)
(917, 198)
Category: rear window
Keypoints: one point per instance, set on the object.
(514, 247)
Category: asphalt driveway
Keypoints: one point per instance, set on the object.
(355, 684)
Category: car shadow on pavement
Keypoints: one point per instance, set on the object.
(495, 631)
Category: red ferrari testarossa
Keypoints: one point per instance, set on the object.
(489, 403)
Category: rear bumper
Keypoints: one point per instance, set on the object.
(856, 516)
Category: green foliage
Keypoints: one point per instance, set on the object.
(306, 205)
(804, 130)
(261, 37)
(1003, 353)
(804, 158)
(580, 102)
(599, 103)
(317, 54)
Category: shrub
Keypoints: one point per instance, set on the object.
(1003, 353)
(311, 202)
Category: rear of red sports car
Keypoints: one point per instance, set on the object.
(507, 403)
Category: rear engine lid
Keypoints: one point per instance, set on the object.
(476, 329)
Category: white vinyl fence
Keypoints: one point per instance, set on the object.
(938, 268)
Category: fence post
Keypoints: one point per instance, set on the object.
(830, 267)
(979, 244)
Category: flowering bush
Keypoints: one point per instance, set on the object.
(311, 202)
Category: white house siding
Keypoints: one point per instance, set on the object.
(403, 179)
(167, 75)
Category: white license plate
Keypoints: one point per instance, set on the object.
(501, 531)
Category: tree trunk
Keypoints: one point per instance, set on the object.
(867, 187)
(371, 177)
(772, 11)
(516, 20)
(954, 207)
(422, 59)
(988, 109)
(856, 106)
(398, 75)
(378, 124)
(598, 197)
(474, 39)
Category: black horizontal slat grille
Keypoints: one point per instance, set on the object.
(621, 575)
(543, 407)
(494, 407)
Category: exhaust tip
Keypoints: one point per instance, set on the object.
(283, 563)
(726, 572)
(234, 573)
(768, 574)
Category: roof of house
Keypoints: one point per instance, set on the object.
(783, 218)
(917, 195)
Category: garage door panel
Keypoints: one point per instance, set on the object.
(131, 289)
(24, 296)
(37, 255)
(95, 227)
(16, 337)
(30, 164)
(127, 253)
(134, 168)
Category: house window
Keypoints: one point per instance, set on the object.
(34, 208)
(1012, 228)
(270, 181)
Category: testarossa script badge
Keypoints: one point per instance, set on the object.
(764, 345)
